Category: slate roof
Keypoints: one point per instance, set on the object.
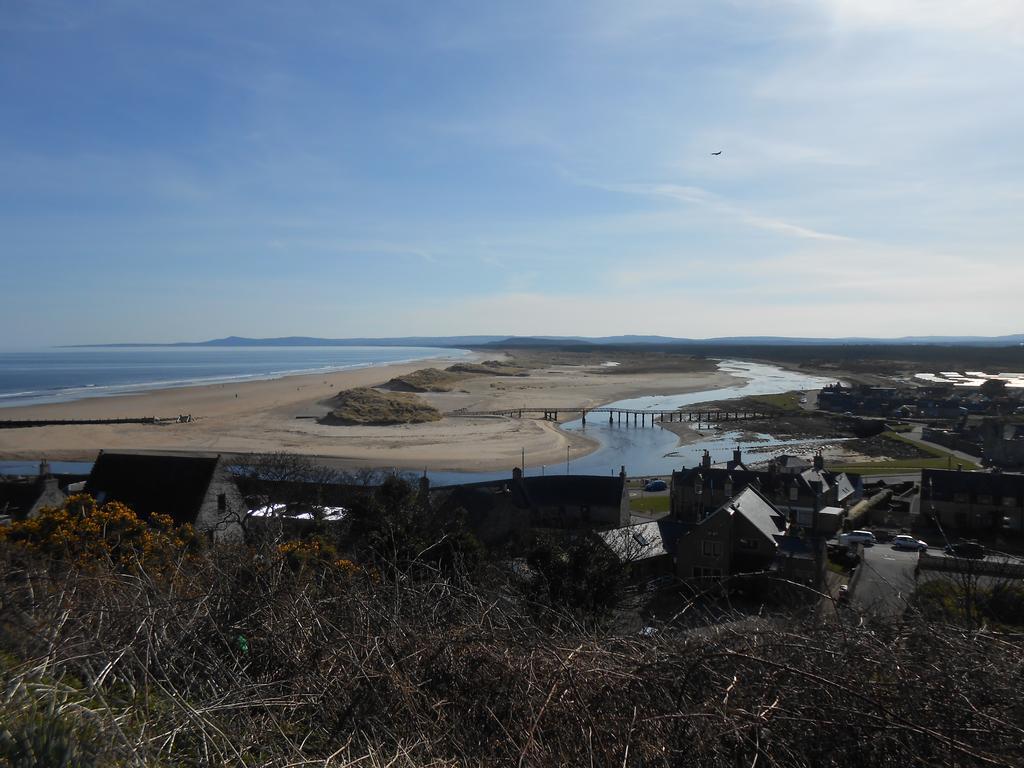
(944, 482)
(529, 492)
(17, 497)
(645, 540)
(169, 485)
(574, 490)
(759, 511)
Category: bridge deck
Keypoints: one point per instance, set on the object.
(678, 414)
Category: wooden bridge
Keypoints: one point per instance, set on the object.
(616, 415)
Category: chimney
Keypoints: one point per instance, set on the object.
(737, 456)
(705, 460)
(44, 468)
(817, 505)
(622, 472)
(424, 484)
(819, 461)
(959, 467)
(517, 474)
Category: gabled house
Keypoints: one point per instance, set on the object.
(23, 498)
(197, 490)
(649, 549)
(737, 537)
(750, 534)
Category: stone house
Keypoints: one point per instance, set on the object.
(197, 490)
(974, 502)
(23, 498)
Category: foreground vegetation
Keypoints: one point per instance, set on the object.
(396, 641)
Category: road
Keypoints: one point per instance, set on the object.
(915, 434)
(885, 581)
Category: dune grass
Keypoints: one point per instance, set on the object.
(365, 406)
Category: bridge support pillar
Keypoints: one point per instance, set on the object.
(584, 418)
(611, 417)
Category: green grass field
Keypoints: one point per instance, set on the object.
(787, 401)
(936, 459)
(649, 504)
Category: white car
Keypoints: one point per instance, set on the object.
(909, 542)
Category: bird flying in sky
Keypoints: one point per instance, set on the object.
(717, 153)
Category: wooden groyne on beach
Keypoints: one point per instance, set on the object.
(25, 423)
(616, 415)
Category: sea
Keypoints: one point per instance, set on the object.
(55, 375)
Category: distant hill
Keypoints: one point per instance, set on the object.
(537, 341)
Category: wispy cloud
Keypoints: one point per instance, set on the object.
(701, 197)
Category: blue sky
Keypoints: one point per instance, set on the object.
(192, 170)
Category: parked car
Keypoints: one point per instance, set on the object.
(971, 549)
(867, 538)
(656, 485)
(909, 542)
(661, 581)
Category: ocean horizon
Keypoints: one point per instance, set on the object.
(62, 374)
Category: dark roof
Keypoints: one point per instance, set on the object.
(644, 540)
(946, 481)
(574, 490)
(761, 513)
(480, 498)
(169, 485)
(17, 497)
(550, 491)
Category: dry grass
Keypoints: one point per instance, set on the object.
(346, 669)
(370, 406)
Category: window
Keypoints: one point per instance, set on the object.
(711, 548)
(793, 493)
(960, 498)
(222, 502)
(707, 573)
(747, 543)
(1009, 501)
(984, 498)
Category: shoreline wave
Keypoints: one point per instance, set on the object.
(66, 394)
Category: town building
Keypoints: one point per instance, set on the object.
(974, 502)
(23, 497)
(497, 508)
(700, 490)
(197, 490)
(750, 534)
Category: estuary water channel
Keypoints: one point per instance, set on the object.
(644, 451)
(653, 451)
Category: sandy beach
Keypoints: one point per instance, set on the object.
(267, 416)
